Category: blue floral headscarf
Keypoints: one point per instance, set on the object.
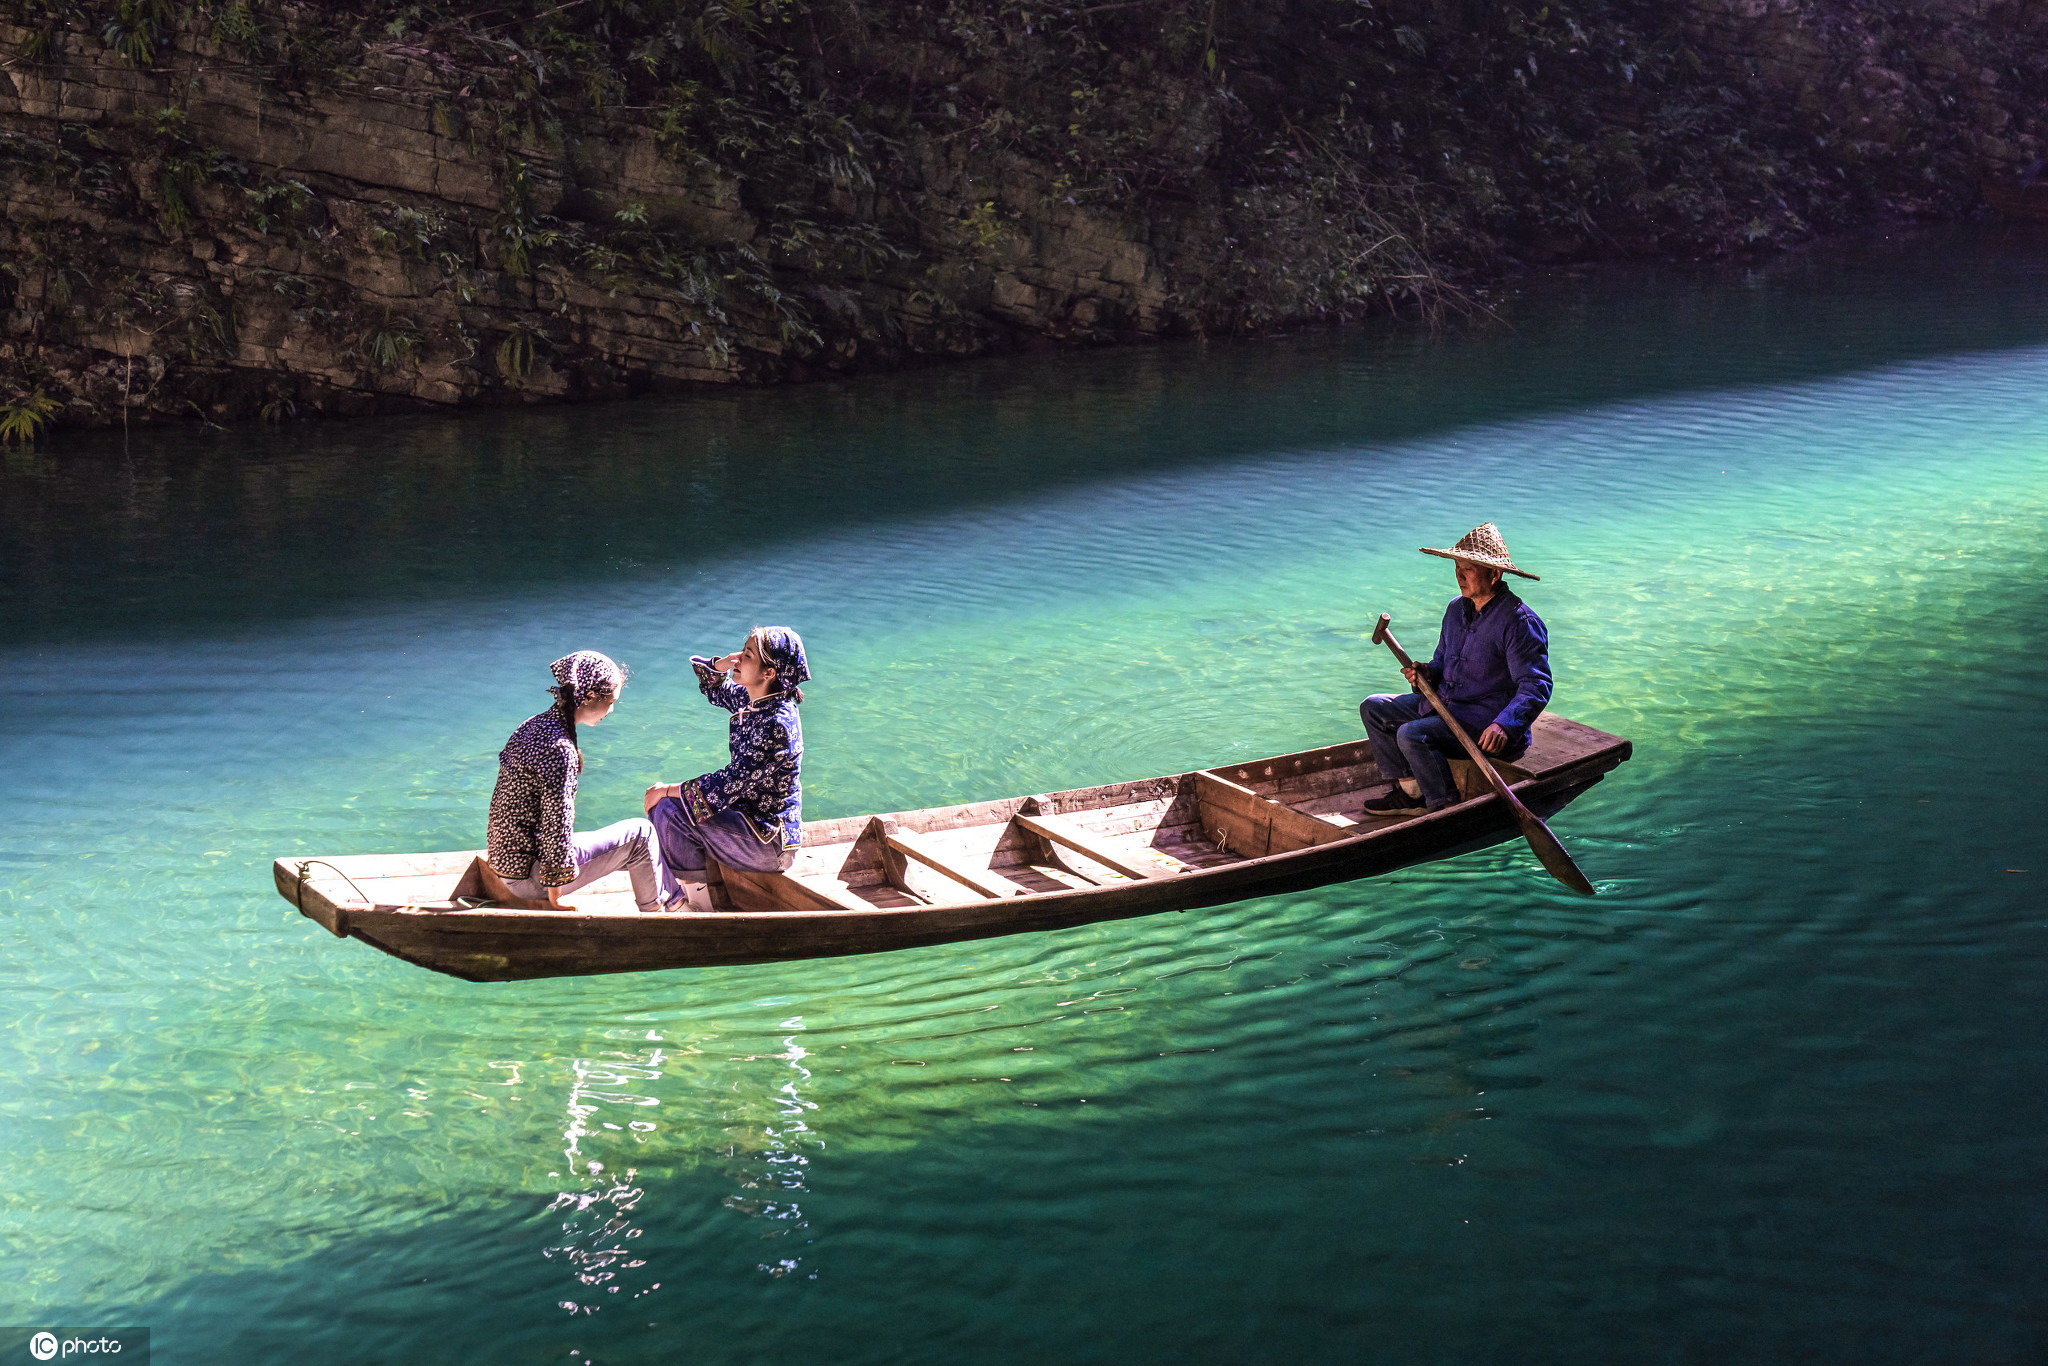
(783, 651)
(587, 672)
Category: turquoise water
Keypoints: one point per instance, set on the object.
(1775, 1095)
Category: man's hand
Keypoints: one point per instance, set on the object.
(1413, 675)
(1493, 739)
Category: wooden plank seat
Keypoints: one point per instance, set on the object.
(783, 892)
(1245, 823)
(1058, 830)
(913, 845)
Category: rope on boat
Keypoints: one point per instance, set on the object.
(340, 915)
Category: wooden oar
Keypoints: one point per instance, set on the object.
(1534, 830)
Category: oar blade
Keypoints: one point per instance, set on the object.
(1551, 853)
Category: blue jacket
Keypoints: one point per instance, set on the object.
(1492, 668)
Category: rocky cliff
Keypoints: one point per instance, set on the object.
(227, 210)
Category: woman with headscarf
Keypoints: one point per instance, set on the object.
(533, 843)
(749, 814)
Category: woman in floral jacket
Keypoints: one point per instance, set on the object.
(749, 814)
(532, 842)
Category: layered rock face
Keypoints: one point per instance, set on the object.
(190, 241)
(200, 222)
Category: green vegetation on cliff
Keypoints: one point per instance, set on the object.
(225, 209)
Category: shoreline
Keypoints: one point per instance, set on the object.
(312, 212)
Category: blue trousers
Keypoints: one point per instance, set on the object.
(727, 837)
(629, 844)
(1409, 740)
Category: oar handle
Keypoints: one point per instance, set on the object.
(1382, 636)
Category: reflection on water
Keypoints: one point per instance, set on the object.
(769, 1149)
(187, 530)
(1756, 1102)
(765, 1145)
(593, 1236)
(597, 1225)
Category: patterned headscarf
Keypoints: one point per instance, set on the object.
(587, 672)
(783, 651)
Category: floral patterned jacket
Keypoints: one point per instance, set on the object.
(533, 808)
(767, 752)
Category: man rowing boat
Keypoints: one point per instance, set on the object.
(1492, 669)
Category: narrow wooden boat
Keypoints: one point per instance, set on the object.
(863, 884)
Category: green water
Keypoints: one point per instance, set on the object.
(1775, 1095)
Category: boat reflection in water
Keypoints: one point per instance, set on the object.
(599, 1226)
(770, 1155)
(767, 1147)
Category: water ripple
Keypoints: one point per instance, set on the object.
(1768, 1075)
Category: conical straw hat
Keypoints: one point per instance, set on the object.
(1482, 545)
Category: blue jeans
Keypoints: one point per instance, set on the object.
(727, 837)
(1409, 740)
(629, 844)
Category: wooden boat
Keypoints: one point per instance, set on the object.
(862, 884)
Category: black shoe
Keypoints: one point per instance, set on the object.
(1395, 803)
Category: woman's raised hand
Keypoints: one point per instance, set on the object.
(725, 663)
